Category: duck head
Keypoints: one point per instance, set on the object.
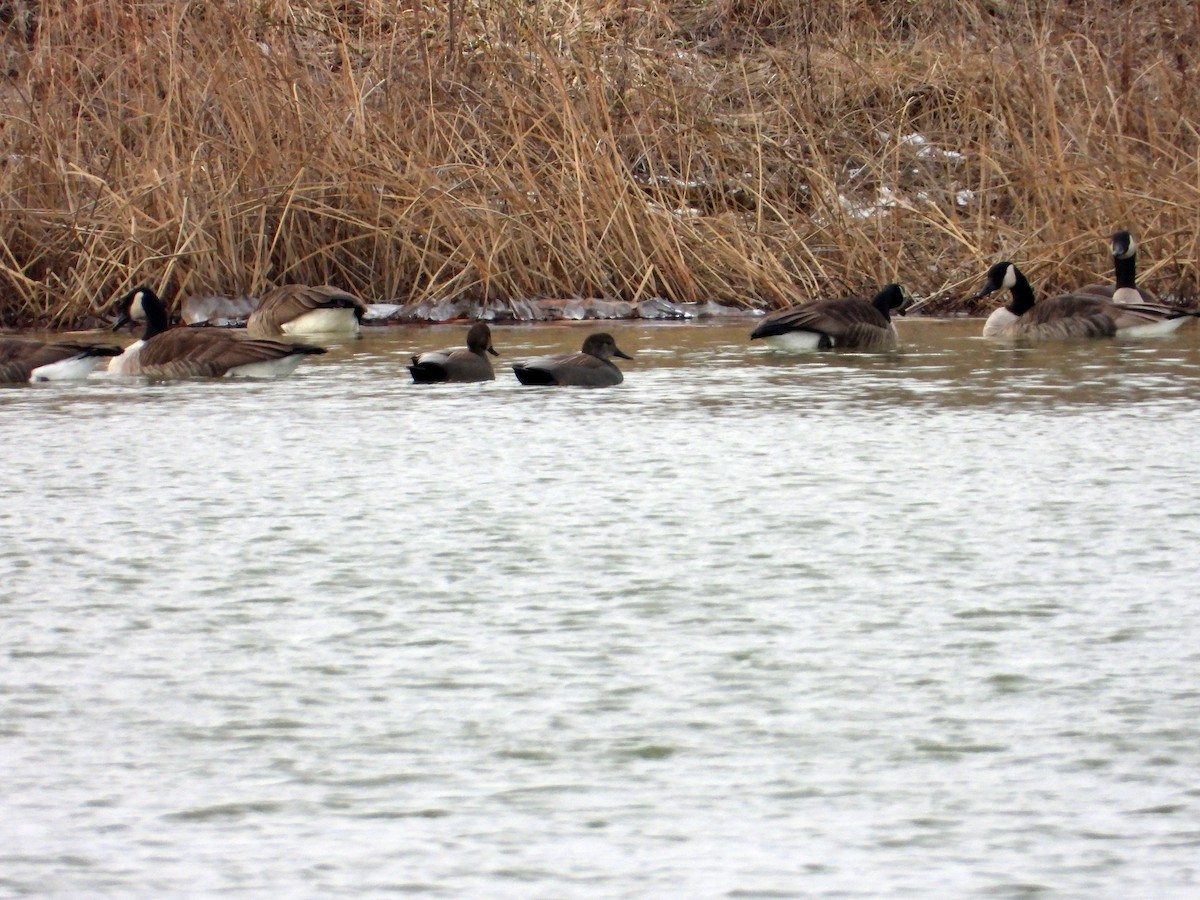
(479, 339)
(602, 346)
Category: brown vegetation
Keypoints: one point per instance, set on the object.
(743, 151)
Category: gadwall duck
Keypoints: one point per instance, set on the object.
(458, 364)
(590, 367)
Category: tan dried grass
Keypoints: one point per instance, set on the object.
(733, 150)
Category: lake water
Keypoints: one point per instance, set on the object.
(914, 624)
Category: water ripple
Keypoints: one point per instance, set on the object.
(747, 625)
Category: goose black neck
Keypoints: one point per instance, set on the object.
(156, 316)
(1126, 271)
(883, 302)
(1022, 295)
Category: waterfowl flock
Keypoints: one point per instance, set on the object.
(1093, 311)
(1081, 314)
(166, 352)
(294, 311)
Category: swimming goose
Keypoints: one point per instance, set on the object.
(27, 360)
(1124, 289)
(590, 367)
(848, 323)
(458, 364)
(300, 309)
(197, 352)
(1074, 315)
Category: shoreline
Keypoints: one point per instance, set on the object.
(476, 155)
(380, 325)
(229, 312)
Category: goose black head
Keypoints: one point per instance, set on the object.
(1123, 245)
(1001, 276)
(141, 305)
(893, 298)
(132, 306)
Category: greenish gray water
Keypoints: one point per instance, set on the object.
(910, 624)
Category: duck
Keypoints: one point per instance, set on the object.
(1076, 315)
(846, 323)
(30, 360)
(301, 309)
(197, 352)
(457, 364)
(590, 367)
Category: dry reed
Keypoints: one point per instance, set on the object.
(743, 151)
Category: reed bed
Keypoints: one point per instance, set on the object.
(750, 152)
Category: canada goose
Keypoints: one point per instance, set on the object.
(458, 364)
(1124, 289)
(848, 323)
(299, 309)
(24, 360)
(590, 367)
(196, 352)
(1073, 315)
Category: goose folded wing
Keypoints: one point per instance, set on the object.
(19, 358)
(1131, 315)
(306, 298)
(205, 352)
(1070, 316)
(37, 353)
(839, 319)
(290, 301)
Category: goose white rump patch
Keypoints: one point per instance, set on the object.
(795, 341)
(1153, 329)
(66, 369)
(269, 368)
(323, 321)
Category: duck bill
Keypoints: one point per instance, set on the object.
(618, 352)
(492, 350)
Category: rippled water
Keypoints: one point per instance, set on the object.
(912, 624)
